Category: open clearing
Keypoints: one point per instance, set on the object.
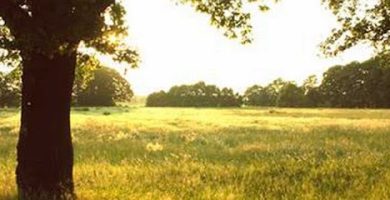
(247, 153)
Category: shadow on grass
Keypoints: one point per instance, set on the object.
(102, 110)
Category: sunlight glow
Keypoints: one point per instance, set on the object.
(113, 39)
(178, 46)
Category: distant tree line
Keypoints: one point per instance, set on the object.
(97, 86)
(196, 95)
(355, 85)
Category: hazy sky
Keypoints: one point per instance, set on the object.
(178, 46)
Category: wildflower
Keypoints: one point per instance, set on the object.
(154, 147)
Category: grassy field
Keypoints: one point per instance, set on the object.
(251, 153)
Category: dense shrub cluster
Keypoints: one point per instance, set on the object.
(197, 95)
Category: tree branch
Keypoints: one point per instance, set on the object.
(15, 18)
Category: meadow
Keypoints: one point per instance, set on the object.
(246, 153)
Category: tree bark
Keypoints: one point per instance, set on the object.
(44, 150)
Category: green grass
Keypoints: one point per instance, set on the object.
(251, 153)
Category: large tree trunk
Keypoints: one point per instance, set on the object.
(45, 152)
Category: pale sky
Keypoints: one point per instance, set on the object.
(178, 46)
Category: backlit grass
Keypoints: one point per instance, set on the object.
(251, 153)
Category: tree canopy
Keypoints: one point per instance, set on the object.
(360, 21)
(55, 26)
(106, 88)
